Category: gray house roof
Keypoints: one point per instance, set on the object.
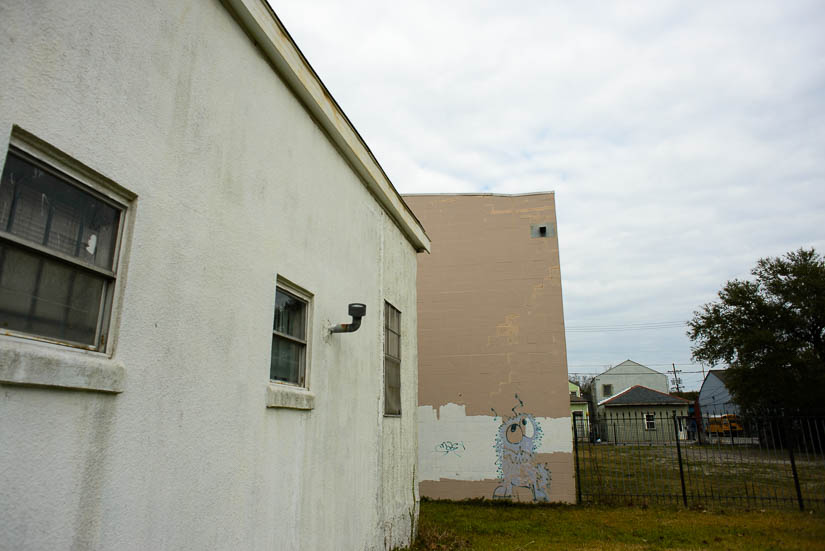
(642, 396)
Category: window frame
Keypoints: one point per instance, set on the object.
(650, 421)
(72, 173)
(284, 286)
(605, 388)
(393, 360)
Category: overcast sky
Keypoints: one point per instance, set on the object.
(684, 140)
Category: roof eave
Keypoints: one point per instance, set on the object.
(645, 404)
(266, 30)
(672, 400)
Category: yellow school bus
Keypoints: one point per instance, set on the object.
(724, 424)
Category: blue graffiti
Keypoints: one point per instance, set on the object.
(447, 447)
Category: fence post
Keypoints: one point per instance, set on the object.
(679, 453)
(791, 441)
(578, 474)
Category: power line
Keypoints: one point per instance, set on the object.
(636, 324)
(593, 373)
(646, 365)
(626, 327)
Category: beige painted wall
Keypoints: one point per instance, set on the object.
(491, 326)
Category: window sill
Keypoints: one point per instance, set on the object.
(285, 396)
(32, 364)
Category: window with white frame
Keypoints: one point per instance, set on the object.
(392, 360)
(59, 244)
(289, 336)
(650, 421)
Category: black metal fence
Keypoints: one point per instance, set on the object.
(664, 457)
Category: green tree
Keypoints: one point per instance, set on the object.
(770, 332)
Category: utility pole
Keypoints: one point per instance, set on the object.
(676, 379)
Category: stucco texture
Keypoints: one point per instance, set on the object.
(236, 184)
(491, 337)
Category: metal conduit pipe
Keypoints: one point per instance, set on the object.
(357, 311)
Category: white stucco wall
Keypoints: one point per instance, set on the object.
(235, 185)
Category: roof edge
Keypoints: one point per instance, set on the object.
(262, 25)
(644, 404)
(607, 401)
(470, 193)
(720, 376)
(609, 369)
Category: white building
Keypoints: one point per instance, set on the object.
(175, 178)
(714, 396)
(625, 375)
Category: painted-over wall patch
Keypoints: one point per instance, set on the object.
(456, 446)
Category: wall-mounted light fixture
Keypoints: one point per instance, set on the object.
(357, 311)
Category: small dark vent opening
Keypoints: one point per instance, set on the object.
(543, 231)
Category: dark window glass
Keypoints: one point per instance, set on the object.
(57, 251)
(392, 360)
(290, 315)
(288, 339)
(40, 207)
(287, 360)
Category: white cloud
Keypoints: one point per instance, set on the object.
(684, 140)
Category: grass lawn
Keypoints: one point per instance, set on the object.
(486, 525)
(713, 474)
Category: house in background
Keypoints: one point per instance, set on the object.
(577, 401)
(494, 404)
(641, 414)
(714, 396)
(185, 213)
(623, 376)
(579, 409)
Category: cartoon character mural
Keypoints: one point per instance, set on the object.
(518, 439)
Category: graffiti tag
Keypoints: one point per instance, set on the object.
(447, 447)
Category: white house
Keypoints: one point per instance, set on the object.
(714, 396)
(641, 414)
(185, 213)
(623, 376)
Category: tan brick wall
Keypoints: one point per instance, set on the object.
(491, 322)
